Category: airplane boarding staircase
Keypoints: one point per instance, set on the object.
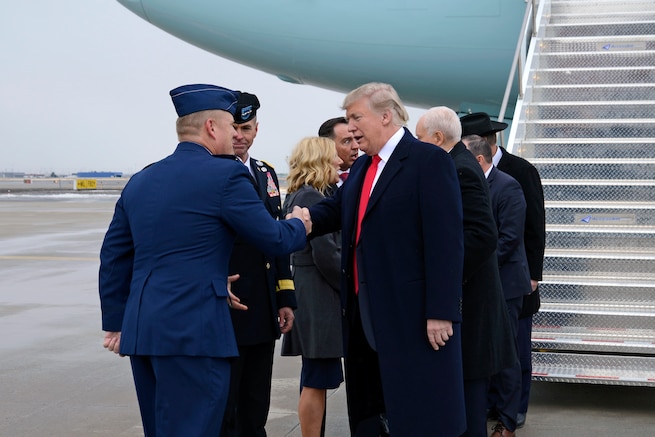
(587, 122)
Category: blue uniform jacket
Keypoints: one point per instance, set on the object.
(164, 259)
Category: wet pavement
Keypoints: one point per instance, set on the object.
(57, 380)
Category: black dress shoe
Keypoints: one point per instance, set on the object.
(499, 430)
(520, 420)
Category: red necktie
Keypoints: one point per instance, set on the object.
(343, 176)
(363, 203)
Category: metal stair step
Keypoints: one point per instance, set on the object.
(590, 128)
(584, 213)
(601, 17)
(643, 109)
(637, 264)
(617, 149)
(600, 291)
(594, 75)
(595, 169)
(597, 43)
(592, 92)
(552, 342)
(599, 28)
(613, 255)
(600, 7)
(588, 368)
(596, 58)
(592, 237)
(538, 162)
(598, 190)
(590, 308)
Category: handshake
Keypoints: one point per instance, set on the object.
(302, 214)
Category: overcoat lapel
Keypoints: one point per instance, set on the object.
(391, 168)
(259, 178)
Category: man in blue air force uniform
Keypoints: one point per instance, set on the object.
(265, 286)
(164, 264)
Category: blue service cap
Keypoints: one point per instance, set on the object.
(199, 97)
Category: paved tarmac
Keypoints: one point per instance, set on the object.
(57, 380)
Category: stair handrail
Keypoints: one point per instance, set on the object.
(529, 17)
(540, 13)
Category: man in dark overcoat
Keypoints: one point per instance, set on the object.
(508, 206)
(534, 236)
(402, 252)
(487, 342)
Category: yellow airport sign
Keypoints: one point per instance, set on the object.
(86, 184)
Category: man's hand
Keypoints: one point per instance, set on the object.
(534, 284)
(286, 318)
(304, 215)
(232, 300)
(439, 331)
(112, 342)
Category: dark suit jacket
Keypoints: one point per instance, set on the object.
(487, 343)
(164, 259)
(508, 205)
(265, 283)
(535, 216)
(409, 257)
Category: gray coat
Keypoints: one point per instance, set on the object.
(316, 329)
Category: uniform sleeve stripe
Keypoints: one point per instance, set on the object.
(285, 284)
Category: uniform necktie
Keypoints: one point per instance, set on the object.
(363, 203)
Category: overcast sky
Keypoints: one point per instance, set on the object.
(84, 86)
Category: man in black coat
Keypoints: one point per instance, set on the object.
(400, 290)
(508, 207)
(487, 344)
(265, 286)
(534, 237)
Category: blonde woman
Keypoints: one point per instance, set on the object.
(316, 333)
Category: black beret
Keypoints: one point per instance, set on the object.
(247, 107)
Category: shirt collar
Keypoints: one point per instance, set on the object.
(496, 158)
(390, 146)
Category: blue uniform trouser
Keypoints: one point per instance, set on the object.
(525, 357)
(181, 396)
(505, 390)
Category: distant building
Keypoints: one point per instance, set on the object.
(99, 174)
(12, 175)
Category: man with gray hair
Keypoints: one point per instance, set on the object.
(509, 208)
(401, 219)
(487, 344)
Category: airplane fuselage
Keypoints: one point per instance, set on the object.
(434, 52)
